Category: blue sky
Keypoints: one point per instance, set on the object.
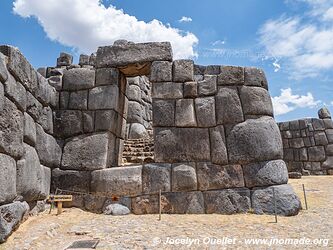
(291, 40)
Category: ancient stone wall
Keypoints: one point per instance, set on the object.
(308, 144)
(28, 149)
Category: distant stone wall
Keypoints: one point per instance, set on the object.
(308, 144)
(28, 149)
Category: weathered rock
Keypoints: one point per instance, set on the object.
(107, 76)
(190, 89)
(167, 90)
(116, 209)
(45, 119)
(318, 124)
(296, 143)
(329, 150)
(11, 216)
(134, 93)
(181, 145)
(255, 77)
(164, 113)
(228, 201)
(2, 97)
(64, 59)
(135, 112)
(228, 106)
(45, 93)
(185, 114)
(184, 177)
(231, 75)
(256, 101)
(94, 203)
(137, 131)
(16, 92)
(48, 150)
(161, 71)
(329, 135)
(208, 85)
(287, 202)
(11, 130)
(316, 153)
(104, 97)
(78, 79)
(34, 107)
(86, 152)
(88, 121)
(184, 203)
(130, 53)
(324, 113)
(29, 175)
(70, 180)
(7, 179)
(125, 181)
(46, 182)
(320, 138)
(328, 163)
(205, 111)
(146, 204)
(68, 123)
(212, 176)
(78, 100)
(254, 140)
(3, 69)
(182, 70)
(265, 173)
(217, 145)
(106, 120)
(295, 175)
(29, 130)
(156, 177)
(83, 60)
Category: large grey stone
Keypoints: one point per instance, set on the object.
(107, 76)
(231, 75)
(11, 215)
(207, 86)
(181, 144)
(45, 119)
(329, 150)
(68, 123)
(137, 131)
(45, 93)
(228, 106)
(254, 140)
(116, 209)
(134, 93)
(16, 92)
(77, 79)
(324, 113)
(135, 112)
(3, 69)
(148, 204)
(184, 203)
(124, 181)
(34, 107)
(94, 203)
(167, 90)
(11, 130)
(29, 175)
(29, 130)
(218, 148)
(182, 70)
(256, 101)
(164, 113)
(318, 124)
(296, 143)
(86, 152)
(316, 153)
(185, 114)
(205, 111)
(329, 135)
(184, 177)
(56, 82)
(64, 59)
(190, 89)
(161, 71)
(265, 173)
(211, 176)
(287, 202)
(328, 163)
(70, 180)
(88, 121)
(48, 150)
(104, 97)
(7, 179)
(156, 177)
(228, 201)
(46, 183)
(2, 97)
(130, 53)
(106, 120)
(320, 138)
(255, 77)
(78, 100)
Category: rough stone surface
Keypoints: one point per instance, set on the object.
(70, 180)
(64, 59)
(228, 106)
(104, 97)
(94, 203)
(255, 77)
(205, 111)
(16, 92)
(161, 71)
(218, 148)
(256, 101)
(265, 173)
(11, 216)
(117, 181)
(181, 145)
(229, 201)
(167, 90)
(182, 70)
(78, 100)
(137, 131)
(77, 79)
(316, 153)
(3, 69)
(184, 177)
(135, 112)
(184, 203)
(254, 140)
(190, 89)
(68, 123)
(324, 113)
(231, 75)
(211, 176)
(185, 113)
(287, 202)
(207, 86)
(29, 130)
(7, 179)
(163, 113)
(86, 152)
(116, 209)
(156, 177)
(107, 76)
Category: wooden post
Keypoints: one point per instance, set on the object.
(160, 205)
(306, 203)
(274, 199)
(59, 205)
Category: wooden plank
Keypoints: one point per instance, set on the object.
(60, 198)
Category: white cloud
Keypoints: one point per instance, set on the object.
(218, 42)
(185, 19)
(288, 102)
(87, 24)
(276, 65)
(303, 44)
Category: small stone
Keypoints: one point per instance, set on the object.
(295, 175)
(116, 209)
(137, 131)
(64, 59)
(324, 113)
(190, 89)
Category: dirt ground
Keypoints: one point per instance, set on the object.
(313, 228)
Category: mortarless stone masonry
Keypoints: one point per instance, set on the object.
(217, 148)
